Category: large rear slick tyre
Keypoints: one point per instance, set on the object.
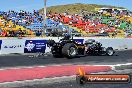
(69, 50)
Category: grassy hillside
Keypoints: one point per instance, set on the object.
(75, 8)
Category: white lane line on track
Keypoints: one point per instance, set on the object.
(124, 64)
(23, 67)
(113, 66)
(26, 67)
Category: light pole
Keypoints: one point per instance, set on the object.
(44, 16)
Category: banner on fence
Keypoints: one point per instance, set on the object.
(12, 46)
(34, 46)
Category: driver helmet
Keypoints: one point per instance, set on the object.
(67, 36)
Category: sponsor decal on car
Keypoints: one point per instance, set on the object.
(79, 41)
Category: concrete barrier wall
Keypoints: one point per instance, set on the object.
(14, 45)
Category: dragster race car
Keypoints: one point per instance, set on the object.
(93, 47)
(69, 48)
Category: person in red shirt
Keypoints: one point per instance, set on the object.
(4, 33)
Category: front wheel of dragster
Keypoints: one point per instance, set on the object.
(69, 50)
(80, 80)
(110, 51)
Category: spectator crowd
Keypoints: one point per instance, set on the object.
(99, 22)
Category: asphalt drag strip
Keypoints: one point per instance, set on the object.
(14, 61)
(23, 72)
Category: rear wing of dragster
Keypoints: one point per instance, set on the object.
(84, 78)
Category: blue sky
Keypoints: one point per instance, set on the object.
(29, 5)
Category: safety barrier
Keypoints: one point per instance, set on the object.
(24, 45)
(38, 44)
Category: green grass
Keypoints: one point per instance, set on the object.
(75, 8)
